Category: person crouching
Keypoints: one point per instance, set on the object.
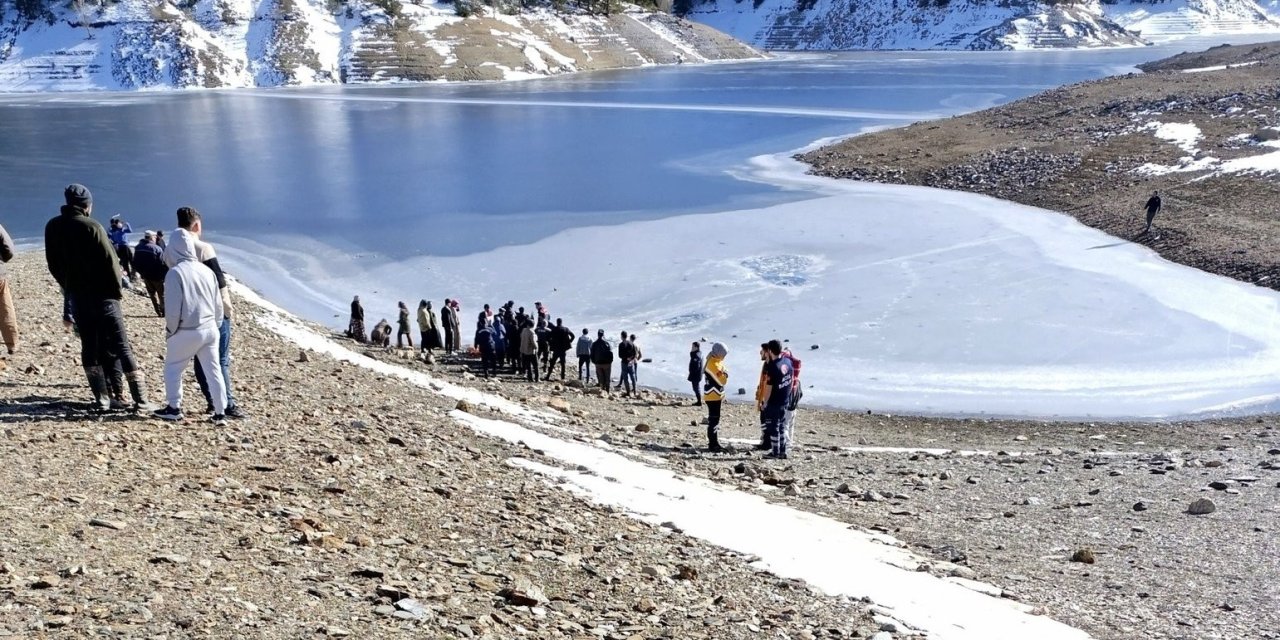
(192, 311)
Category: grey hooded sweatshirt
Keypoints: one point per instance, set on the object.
(191, 298)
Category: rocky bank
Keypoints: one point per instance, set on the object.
(1200, 128)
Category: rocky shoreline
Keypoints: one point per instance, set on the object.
(352, 503)
(1093, 151)
(349, 504)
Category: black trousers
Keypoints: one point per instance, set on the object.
(556, 356)
(584, 368)
(713, 422)
(530, 362)
(102, 334)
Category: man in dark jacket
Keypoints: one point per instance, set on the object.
(84, 263)
(1153, 207)
(602, 357)
(627, 356)
(561, 342)
(149, 264)
(448, 321)
(485, 343)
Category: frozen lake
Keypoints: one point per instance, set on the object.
(660, 201)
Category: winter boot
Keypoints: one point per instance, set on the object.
(115, 385)
(138, 389)
(713, 441)
(98, 385)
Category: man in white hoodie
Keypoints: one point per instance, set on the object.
(192, 311)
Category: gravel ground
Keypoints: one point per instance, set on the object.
(348, 504)
(1076, 149)
(1014, 513)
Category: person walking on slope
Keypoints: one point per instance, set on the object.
(430, 334)
(446, 320)
(8, 316)
(627, 356)
(402, 327)
(779, 373)
(192, 312)
(529, 351)
(119, 235)
(83, 262)
(561, 343)
(583, 350)
(355, 329)
(1153, 207)
(191, 224)
(148, 263)
(602, 357)
(715, 377)
(695, 372)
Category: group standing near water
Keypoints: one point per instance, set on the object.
(94, 267)
(530, 346)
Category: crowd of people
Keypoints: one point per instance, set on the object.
(185, 283)
(531, 346)
(94, 267)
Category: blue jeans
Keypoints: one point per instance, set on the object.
(224, 357)
(629, 376)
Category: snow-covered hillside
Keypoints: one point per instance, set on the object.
(144, 44)
(978, 24)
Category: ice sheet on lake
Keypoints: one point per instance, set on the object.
(919, 300)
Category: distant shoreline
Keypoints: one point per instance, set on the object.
(1078, 150)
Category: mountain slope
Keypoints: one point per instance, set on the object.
(976, 24)
(137, 44)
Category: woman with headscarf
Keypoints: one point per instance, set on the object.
(716, 376)
(402, 327)
(356, 328)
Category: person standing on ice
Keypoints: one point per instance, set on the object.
(83, 262)
(1153, 207)
(715, 377)
(779, 373)
(602, 357)
(355, 328)
(402, 327)
(695, 372)
(529, 351)
(446, 321)
(192, 311)
(583, 350)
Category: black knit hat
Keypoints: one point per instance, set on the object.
(78, 195)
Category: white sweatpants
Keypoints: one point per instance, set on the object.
(180, 348)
